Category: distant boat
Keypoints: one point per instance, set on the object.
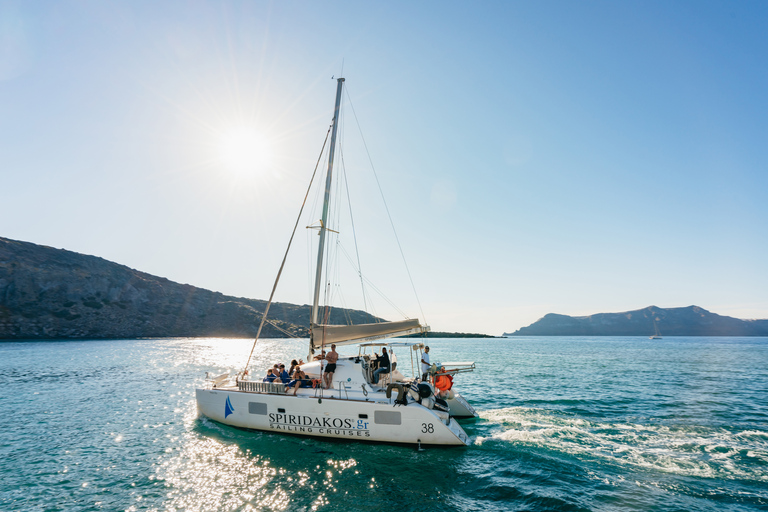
(657, 335)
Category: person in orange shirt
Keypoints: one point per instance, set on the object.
(443, 382)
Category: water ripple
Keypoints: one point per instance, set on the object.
(566, 424)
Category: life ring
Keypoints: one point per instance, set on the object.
(401, 391)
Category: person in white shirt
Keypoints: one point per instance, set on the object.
(425, 364)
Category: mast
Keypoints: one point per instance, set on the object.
(324, 220)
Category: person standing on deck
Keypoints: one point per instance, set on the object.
(330, 367)
(425, 364)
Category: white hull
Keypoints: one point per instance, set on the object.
(460, 408)
(349, 417)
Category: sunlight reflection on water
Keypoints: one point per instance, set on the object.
(213, 467)
(208, 474)
(221, 355)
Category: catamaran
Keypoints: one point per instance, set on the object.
(398, 406)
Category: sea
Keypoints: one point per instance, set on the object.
(566, 424)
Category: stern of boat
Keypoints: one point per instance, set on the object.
(460, 408)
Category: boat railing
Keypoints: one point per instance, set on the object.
(342, 388)
(261, 387)
(457, 367)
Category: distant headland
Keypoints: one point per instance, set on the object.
(686, 321)
(439, 334)
(48, 293)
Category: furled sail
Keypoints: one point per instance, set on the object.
(349, 334)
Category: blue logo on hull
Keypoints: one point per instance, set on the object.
(228, 409)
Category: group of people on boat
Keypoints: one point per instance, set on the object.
(296, 378)
(279, 373)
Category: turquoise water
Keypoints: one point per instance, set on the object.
(623, 424)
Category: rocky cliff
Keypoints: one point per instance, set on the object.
(688, 321)
(54, 293)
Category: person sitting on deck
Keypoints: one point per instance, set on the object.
(270, 376)
(284, 374)
(383, 362)
(300, 380)
(443, 383)
(294, 364)
(320, 357)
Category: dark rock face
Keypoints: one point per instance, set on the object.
(54, 293)
(688, 321)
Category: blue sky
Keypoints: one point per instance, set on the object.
(568, 157)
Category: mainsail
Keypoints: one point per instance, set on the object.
(323, 334)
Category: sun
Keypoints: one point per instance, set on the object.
(245, 151)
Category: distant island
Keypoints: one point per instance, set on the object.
(48, 293)
(438, 334)
(686, 321)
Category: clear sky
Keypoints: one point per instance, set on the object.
(557, 156)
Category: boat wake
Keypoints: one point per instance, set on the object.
(686, 450)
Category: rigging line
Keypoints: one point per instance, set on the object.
(386, 299)
(331, 266)
(337, 290)
(327, 281)
(386, 207)
(344, 309)
(282, 265)
(354, 234)
(309, 269)
(290, 334)
(372, 285)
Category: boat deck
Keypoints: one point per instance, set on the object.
(340, 392)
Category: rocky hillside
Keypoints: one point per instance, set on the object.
(54, 293)
(688, 321)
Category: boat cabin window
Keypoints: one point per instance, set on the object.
(257, 408)
(386, 418)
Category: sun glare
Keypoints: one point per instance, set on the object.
(245, 151)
